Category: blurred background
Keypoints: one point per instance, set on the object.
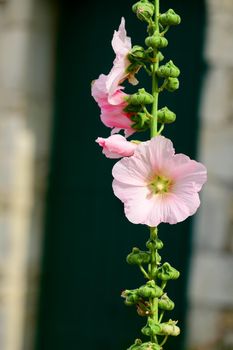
(63, 235)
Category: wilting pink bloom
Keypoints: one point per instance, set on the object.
(121, 44)
(116, 146)
(112, 115)
(156, 185)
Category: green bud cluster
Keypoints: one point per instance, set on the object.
(151, 293)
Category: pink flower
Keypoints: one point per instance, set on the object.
(121, 44)
(156, 185)
(112, 115)
(116, 146)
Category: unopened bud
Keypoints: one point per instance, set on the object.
(169, 18)
(167, 272)
(172, 84)
(165, 303)
(139, 345)
(169, 328)
(131, 296)
(165, 116)
(156, 41)
(144, 10)
(150, 290)
(169, 70)
(138, 257)
(140, 98)
(136, 53)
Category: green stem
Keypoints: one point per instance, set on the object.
(164, 341)
(145, 274)
(155, 90)
(154, 301)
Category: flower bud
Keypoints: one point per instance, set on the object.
(136, 345)
(154, 244)
(137, 53)
(150, 346)
(169, 328)
(150, 290)
(172, 84)
(156, 41)
(169, 18)
(167, 272)
(138, 257)
(131, 296)
(166, 303)
(139, 345)
(169, 70)
(140, 98)
(152, 328)
(144, 10)
(165, 116)
(159, 244)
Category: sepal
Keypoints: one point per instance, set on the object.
(172, 84)
(169, 70)
(131, 296)
(169, 328)
(137, 53)
(165, 116)
(167, 272)
(169, 18)
(144, 10)
(138, 257)
(140, 98)
(150, 290)
(139, 345)
(165, 303)
(156, 41)
(152, 328)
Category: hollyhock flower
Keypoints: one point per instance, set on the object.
(116, 146)
(156, 185)
(112, 116)
(121, 44)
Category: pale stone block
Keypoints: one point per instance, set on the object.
(211, 281)
(213, 219)
(17, 10)
(202, 325)
(216, 106)
(219, 48)
(216, 153)
(13, 59)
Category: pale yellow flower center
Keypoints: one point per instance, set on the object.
(160, 184)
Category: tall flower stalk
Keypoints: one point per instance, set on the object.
(155, 184)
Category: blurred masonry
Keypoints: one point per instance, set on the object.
(28, 68)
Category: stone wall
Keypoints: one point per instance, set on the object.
(26, 85)
(211, 289)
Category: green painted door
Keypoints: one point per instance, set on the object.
(87, 236)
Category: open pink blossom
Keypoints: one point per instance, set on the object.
(112, 116)
(156, 185)
(121, 44)
(116, 146)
